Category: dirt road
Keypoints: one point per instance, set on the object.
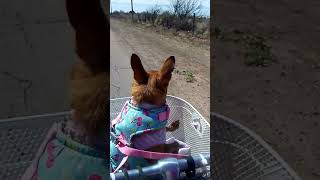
(120, 69)
(36, 52)
(153, 48)
(280, 102)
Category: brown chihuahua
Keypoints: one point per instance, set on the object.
(151, 87)
(75, 148)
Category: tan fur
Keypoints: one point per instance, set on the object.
(89, 78)
(151, 87)
(88, 96)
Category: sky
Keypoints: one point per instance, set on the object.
(142, 5)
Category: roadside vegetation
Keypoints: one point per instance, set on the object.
(188, 75)
(256, 50)
(183, 17)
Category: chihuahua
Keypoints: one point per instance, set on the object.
(142, 123)
(151, 88)
(76, 147)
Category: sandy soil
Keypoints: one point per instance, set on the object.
(37, 52)
(154, 46)
(280, 102)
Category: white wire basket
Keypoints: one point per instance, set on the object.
(21, 137)
(237, 152)
(194, 130)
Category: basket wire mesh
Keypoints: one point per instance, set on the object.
(240, 154)
(237, 153)
(193, 129)
(20, 139)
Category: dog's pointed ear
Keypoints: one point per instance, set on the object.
(82, 13)
(74, 13)
(167, 69)
(91, 28)
(139, 74)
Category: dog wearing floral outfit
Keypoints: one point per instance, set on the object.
(134, 121)
(138, 134)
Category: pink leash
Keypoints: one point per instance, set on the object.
(128, 151)
(148, 154)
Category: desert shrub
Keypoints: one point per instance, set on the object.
(201, 28)
(181, 20)
(188, 75)
(184, 24)
(185, 8)
(206, 34)
(146, 16)
(166, 19)
(257, 52)
(159, 21)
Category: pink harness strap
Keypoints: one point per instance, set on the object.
(164, 116)
(147, 154)
(128, 151)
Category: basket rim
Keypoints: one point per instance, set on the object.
(20, 118)
(174, 97)
(261, 141)
(64, 113)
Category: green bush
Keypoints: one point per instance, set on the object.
(257, 51)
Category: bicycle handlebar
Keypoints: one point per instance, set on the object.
(169, 168)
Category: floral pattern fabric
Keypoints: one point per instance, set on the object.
(133, 121)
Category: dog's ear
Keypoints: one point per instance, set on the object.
(167, 69)
(92, 32)
(82, 13)
(139, 74)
